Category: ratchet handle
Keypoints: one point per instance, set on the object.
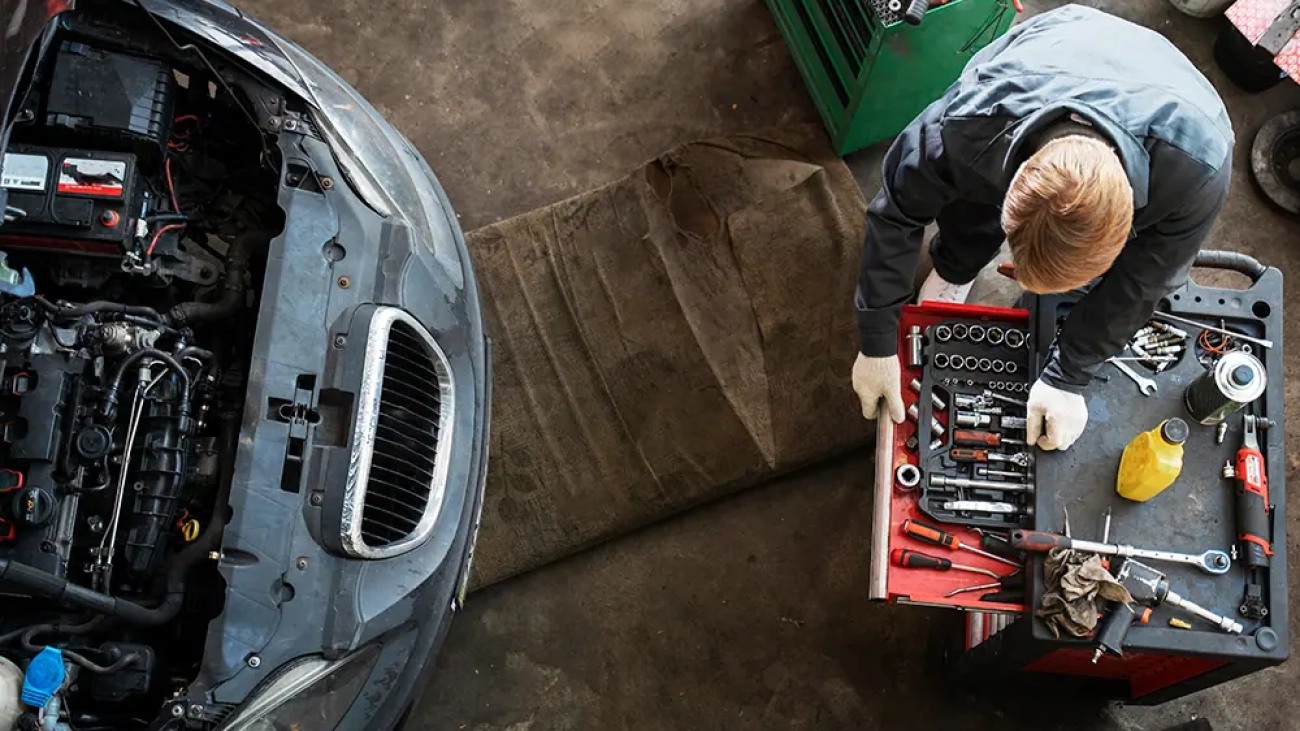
(916, 11)
(1252, 508)
(1037, 541)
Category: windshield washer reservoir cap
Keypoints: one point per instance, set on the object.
(44, 675)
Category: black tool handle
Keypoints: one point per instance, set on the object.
(1114, 628)
(1000, 548)
(1253, 528)
(910, 559)
(1038, 541)
(916, 11)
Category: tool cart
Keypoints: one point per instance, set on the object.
(1204, 560)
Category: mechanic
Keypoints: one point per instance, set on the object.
(1096, 150)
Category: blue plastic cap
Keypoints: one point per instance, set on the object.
(44, 675)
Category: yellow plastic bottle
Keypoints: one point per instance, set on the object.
(1152, 461)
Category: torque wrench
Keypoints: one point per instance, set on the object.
(1212, 561)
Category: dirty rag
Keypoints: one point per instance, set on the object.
(1075, 582)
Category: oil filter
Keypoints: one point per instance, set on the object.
(1234, 381)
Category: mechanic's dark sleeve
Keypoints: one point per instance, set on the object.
(914, 185)
(1151, 266)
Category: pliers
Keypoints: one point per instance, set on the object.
(1009, 590)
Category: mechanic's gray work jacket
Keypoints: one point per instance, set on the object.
(1162, 116)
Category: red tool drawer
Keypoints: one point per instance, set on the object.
(894, 505)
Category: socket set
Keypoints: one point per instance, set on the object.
(974, 467)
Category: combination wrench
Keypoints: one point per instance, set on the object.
(1146, 385)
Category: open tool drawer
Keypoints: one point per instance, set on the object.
(894, 504)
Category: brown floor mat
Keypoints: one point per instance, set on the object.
(665, 340)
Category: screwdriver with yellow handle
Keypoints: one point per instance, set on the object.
(936, 537)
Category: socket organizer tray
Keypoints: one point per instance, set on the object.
(966, 382)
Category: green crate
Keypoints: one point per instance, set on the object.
(868, 72)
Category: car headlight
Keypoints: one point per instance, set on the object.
(382, 166)
(310, 695)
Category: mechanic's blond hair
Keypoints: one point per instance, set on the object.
(1067, 214)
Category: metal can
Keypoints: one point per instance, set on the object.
(1234, 381)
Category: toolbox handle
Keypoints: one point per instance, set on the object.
(1231, 260)
(878, 576)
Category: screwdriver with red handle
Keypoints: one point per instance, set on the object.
(936, 537)
(909, 559)
(968, 438)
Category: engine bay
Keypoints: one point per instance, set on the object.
(140, 200)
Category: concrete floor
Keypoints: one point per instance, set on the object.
(750, 613)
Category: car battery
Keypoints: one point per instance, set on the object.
(70, 199)
(1175, 651)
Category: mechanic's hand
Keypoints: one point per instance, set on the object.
(1056, 418)
(879, 378)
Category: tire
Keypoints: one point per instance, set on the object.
(1248, 67)
(1275, 160)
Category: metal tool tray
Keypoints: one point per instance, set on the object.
(936, 462)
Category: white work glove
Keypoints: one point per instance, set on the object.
(879, 378)
(1055, 418)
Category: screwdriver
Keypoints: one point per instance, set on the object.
(909, 559)
(967, 438)
(936, 537)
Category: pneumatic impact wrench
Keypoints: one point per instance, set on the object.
(1149, 589)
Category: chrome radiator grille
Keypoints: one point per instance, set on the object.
(398, 468)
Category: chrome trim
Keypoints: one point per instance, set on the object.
(363, 441)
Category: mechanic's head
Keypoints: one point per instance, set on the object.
(1067, 214)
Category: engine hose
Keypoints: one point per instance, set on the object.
(30, 645)
(90, 308)
(61, 629)
(49, 586)
(1232, 260)
(115, 383)
(232, 296)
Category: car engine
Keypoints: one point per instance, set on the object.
(140, 198)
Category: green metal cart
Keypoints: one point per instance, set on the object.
(868, 72)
